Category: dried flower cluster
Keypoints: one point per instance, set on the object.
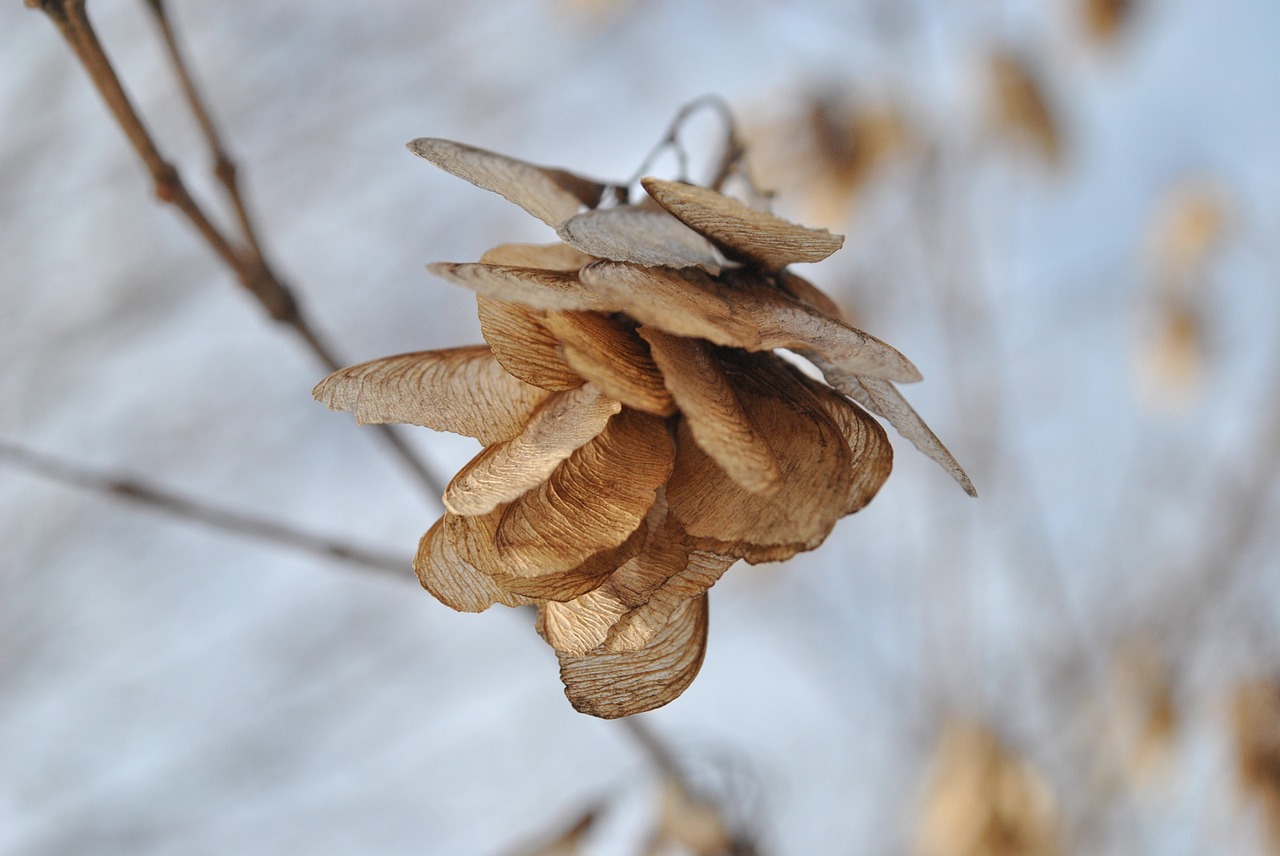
(985, 801)
(1256, 714)
(830, 146)
(1022, 109)
(640, 434)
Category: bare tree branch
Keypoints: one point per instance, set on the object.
(135, 490)
(247, 263)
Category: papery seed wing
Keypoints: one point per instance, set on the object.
(551, 195)
(645, 236)
(612, 685)
(615, 477)
(869, 449)
(564, 422)
(541, 256)
(455, 561)
(883, 399)
(462, 390)
(738, 311)
(670, 571)
(811, 450)
(569, 584)
(715, 416)
(610, 354)
(578, 626)
(810, 295)
(537, 289)
(524, 346)
(740, 231)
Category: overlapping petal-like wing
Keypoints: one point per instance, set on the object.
(541, 256)
(810, 448)
(593, 501)
(645, 236)
(717, 419)
(883, 399)
(871, 456)
(609, 353)
(741, 231)
(456, 561)
(566, 585)
(564, 422)
(612, 685)
(737, 311)
(462, 390)
(551, 195)
(639, 597)
(531, 287)
(524, 346)
(877, 395)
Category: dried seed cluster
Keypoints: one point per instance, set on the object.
(640, 434)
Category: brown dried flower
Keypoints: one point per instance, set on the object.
(1105, 19)
(829, 145)
(1256, 714)
(640, 434)
(984, 800)
(1022, 109)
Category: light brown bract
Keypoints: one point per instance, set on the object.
(640, 433)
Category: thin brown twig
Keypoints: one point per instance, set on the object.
(248, 263)
(224, 166)
(133, 489)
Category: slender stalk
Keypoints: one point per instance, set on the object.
(133, 489)
(248, 263)
(224, 167)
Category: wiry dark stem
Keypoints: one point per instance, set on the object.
(248, 263)
(135, 490)
(224, 167)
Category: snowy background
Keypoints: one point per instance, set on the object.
(166, 688)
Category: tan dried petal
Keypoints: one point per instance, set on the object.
(879, 396)
(739, 311)
(455, 561)
(541, 256)
(1104, 19)
(1022, 107)
(740, 231)
(638, 599)
(630, 233)
(883, 398)
(612, 685)
(578, 626)
(564, 422)
(810, 448)
(717, 419)
(569, 584)
(538, 289)
(593, 500)
(551, 195)
(1255, 713)
(462, 390)
(609, 353)
(872, 456)
(810, 295)
(636, 629)
(983, 799)
(524, 346)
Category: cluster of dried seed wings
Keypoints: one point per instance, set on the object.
(640, 434)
